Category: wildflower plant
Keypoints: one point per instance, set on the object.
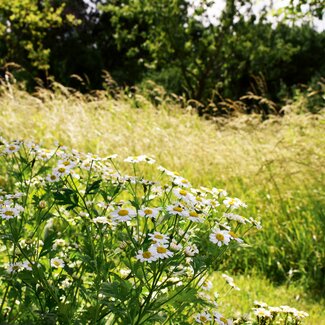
(84, 242)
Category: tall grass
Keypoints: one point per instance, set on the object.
(277, 165)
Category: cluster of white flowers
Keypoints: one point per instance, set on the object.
(57, 262)
(206, 317)
(157, 224)
(11, 147)
(262, 310)
(19, 266)
(157, 250)
(138, 159)
(8, 207)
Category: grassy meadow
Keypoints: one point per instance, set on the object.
(276, 167)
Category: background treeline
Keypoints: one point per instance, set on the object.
(241, 57)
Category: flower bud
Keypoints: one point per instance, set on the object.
(42, 204)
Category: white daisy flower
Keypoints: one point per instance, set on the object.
(206, 285)
(146, 159)
(15, 195)
(160, 250)
(123, 214)
(212, 203)
(220, 237)
(262, 313)
(221, 320)
(66, 283)
(203, 318)
(235, 217)
(219, 192)
(174, 246)
(52, 178)
(141, 158)
(177, 209)
(159, 238)
(299, 314)
(87, 164)
(61, 170)
(12, 147)
(201, 201)
(168, 172)
(233, 203)
(274, 309)
(44, 155)
(180, 181)
(27, 266)
(8, 212)
(195, 217)
(183, 195)
(288, 309)
(191, 250)
(101, 220)
(57, 263)
(67, 163)
(58, 243)
(149, 212)
(257, 224)
(146, 256)
(230, 281)
(14, 267)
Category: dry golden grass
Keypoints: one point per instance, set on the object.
(206, 152)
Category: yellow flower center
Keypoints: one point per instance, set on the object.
(146, 254)
(220, 236)
(148, 211)
(198, 199)
(183, 192)
(184, 181)
(123, 212)
(178, 209)
(203, 318)
(9, 213)
(223, 320)
(56, 263)
(66, 163)
(161, 250)
(61, 169)
(53, 177)
(193, 214)
(158, 236)
(12, 148)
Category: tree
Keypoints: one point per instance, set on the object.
(24, 24)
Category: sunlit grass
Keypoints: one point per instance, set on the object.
(258, 288)
(276, 166)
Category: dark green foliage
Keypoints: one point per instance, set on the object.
(138, 40)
